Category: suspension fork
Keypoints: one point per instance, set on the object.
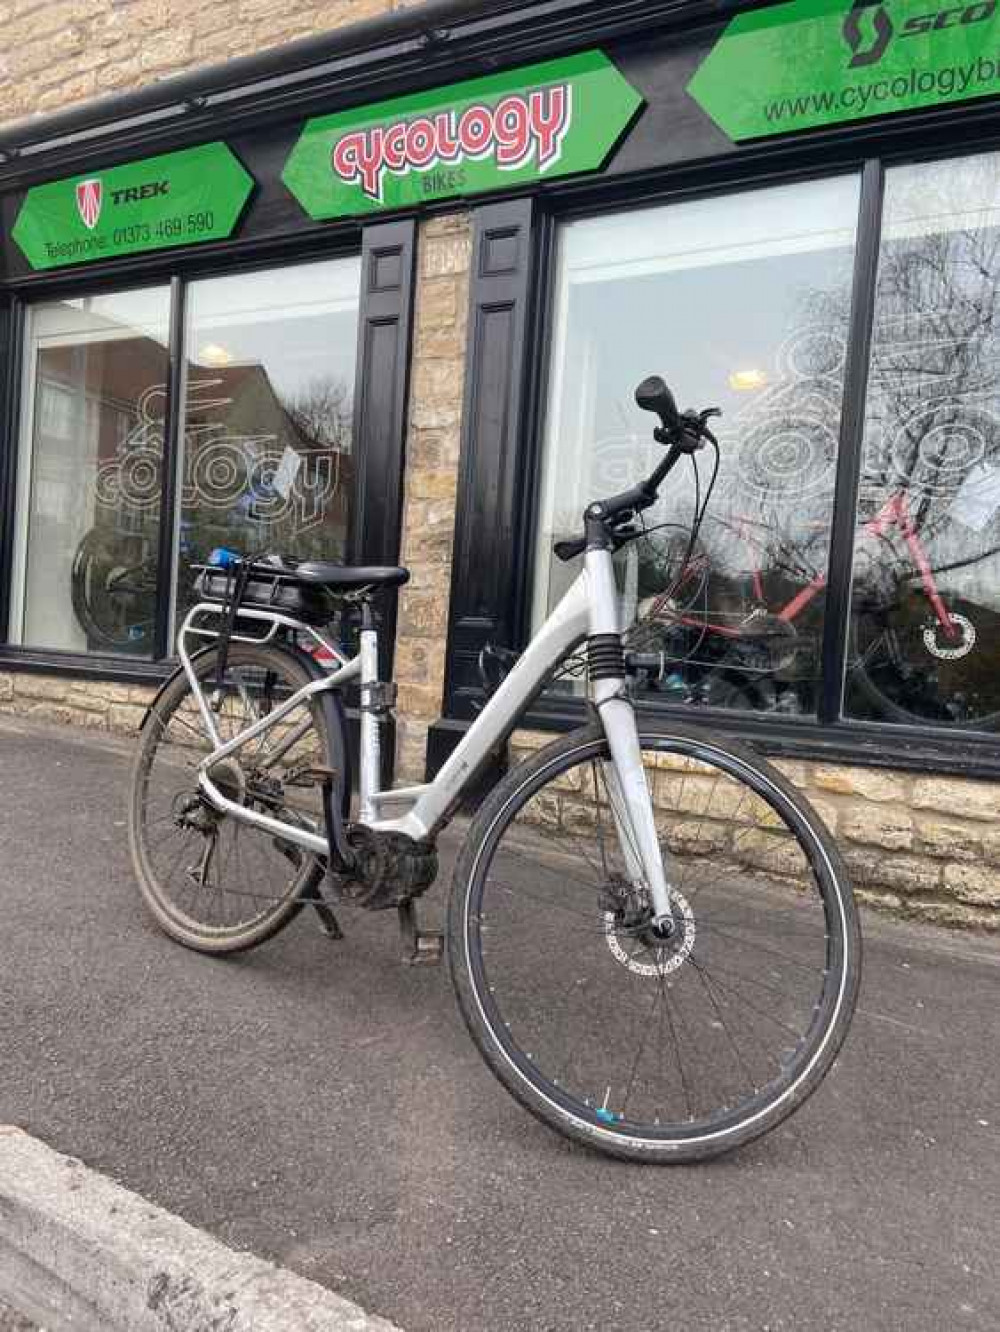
(628, 787)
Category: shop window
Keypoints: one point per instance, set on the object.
(264, 457)
(92, 451)
(740, 302)
(267, 460)
(925, 625)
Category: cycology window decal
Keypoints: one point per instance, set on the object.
(822, 62)
(177, 199)
(545, 120)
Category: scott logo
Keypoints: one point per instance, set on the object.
(866, 51)
(520, 126)
(89, 197)
(870, 48)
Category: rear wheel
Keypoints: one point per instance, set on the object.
(649, 1047)
(212, 883)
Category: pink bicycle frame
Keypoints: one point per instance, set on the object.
(894, 513)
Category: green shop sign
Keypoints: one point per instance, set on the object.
(823, 62)
(177, 199)
(533, 123)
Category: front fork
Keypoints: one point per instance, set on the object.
(628, 785)
(632, 807)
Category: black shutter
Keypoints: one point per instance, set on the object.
(382, 386)
(381, 393)
(483, 571)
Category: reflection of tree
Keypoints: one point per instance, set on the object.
(322, 411)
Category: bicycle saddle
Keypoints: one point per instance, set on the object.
(322, 573)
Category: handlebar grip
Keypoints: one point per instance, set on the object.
(568, 550)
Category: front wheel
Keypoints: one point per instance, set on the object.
(647, 1047)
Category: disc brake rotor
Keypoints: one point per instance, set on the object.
(637, 946)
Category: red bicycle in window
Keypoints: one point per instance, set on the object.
(916, 653)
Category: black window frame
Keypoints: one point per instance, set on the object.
(387, 250)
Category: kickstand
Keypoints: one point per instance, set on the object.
(328, 922)
(419, 949)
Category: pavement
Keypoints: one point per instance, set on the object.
(321, 1106)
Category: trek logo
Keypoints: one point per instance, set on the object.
(137, 193)
(869, 49)
(520, 126)
(89, 198)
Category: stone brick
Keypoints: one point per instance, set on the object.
(77, 89)
(42, 686)
(968, 800)
(907, 874)
(436, 483)
(416, 700)
(795, 771)
(868, 783)
(125, 717)
(423, 615)
(6, 688)
(888, 828)
(769, 852)
(974, 884)
(52, 712)
(445, 254)
(952, 841)
(438, 304)
(447, 343)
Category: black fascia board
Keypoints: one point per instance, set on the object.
(365, 61)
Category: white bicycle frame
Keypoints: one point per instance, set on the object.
(590, 607)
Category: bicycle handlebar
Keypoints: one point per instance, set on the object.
(682, 433)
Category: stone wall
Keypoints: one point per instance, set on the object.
(54, 53)
(97, 705)
(923, 847)
(431, 481)
(919, 846)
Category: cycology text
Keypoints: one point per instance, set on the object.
(521, 126)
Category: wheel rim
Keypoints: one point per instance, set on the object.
(208, 874)
(668, 1050)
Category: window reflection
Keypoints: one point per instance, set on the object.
(740, 302)
(268, 406)
(90, 473)
(925, 629)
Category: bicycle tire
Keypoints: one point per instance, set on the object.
(176, 804)
(96, 548)
(536, 1012)
(938, 710)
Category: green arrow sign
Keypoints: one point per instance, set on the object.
(822, 62)
(177, 199)
(526, 124)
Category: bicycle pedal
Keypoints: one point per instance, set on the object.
(421, 948)
(427, 950)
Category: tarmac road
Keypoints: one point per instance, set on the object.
(322, 1105)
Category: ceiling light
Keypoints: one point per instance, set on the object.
(746, 381)
(213, 354)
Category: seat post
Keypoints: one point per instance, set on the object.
(371, 714)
